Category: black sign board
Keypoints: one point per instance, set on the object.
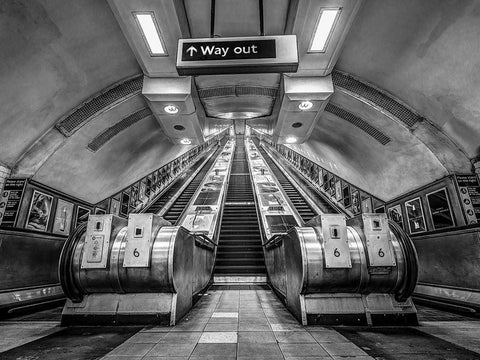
(229, 50)
(237, 55)
(10, 201)
(469, 187)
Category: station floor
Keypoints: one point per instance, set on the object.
(240, 322)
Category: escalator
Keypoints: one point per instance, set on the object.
(301, 205)
(240, 245)
(180, 204)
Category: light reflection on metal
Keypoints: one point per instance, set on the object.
(185, 141)
(291, 140)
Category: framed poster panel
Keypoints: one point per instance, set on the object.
(63, 217)
(124, 203)
(114, 206)
(395, 214)
(380, 210)
(367, 206)
(82, 215)
(338, 190)
(347, 201)
(440, 209)
(415, 217)
(39, 212)
(100, 211)
(356, 202)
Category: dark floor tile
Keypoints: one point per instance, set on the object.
(261, 337)
(247, 349)
(225, 351)
(302, 350)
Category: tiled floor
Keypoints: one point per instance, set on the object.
(15, 334)
(241, 322)
(238, 324)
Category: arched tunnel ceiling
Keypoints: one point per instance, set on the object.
(56, 55)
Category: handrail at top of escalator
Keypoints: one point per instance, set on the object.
(274, 241)
(411, 263)
(65, 267)
(211, 244)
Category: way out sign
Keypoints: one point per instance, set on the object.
(260, 54)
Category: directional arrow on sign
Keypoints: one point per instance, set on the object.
(192, 49)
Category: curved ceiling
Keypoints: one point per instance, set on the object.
(58, 55)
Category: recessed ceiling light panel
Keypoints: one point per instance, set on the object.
(305, 105)
(171, 109)
(150, 33)
(324, 28)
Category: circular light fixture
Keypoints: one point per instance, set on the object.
(171, 109)
(179, 127)
(297, 125)
(185, 141)
(291, 140)
(305, 105)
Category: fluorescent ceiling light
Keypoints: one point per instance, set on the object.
(324, 29)
(150, 33)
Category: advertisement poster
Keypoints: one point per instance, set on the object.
(10, 200)
(82, 215)
(355, 202)
(395, 214)
(416, 220)
(39, 213)
(469, 189)
(115, 206)
(63, 217)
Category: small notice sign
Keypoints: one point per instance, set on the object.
(469, 189)
(10, 201)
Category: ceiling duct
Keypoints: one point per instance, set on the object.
(303, 100)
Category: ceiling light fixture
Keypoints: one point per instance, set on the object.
(171, 109)
(291, 140)
(305, 105)
(150, 33)
(324, 29)
(185, 141)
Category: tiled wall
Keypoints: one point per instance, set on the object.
(4, 173)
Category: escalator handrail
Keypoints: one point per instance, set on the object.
(274, 241)
(411, 263)
(65, 264)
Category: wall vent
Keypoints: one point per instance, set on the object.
(114, 130)
(358, 122)
(98, 104)
(238, 91)
(377, 97)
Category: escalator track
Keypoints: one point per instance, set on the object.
(240, 245)
(305, 211)
(180, 204)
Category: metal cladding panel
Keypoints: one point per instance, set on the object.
(236, 55)
(379, 243)
(296, 123)
(188, 121)
(97, 240)
(335, 241)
